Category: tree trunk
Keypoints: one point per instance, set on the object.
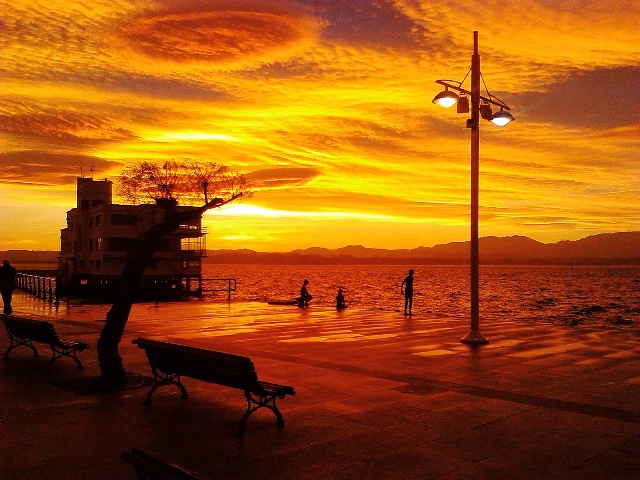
(139, 257)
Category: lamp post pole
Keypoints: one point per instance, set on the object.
(474, 336)
(446, 99)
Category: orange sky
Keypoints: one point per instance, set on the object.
(326, 107)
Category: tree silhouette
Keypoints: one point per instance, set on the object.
(198, 187)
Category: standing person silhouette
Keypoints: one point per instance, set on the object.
(407, 289)
(305, 297)
(340, 305)
(7, 284)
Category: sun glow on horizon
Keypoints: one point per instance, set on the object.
(189, 137)
(257, 211)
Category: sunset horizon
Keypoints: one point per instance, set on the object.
(326, 109)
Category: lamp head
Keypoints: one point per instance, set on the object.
(463, 104)
(446, 98)
(502, 117)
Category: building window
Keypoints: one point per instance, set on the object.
(98, 244)
(81, 263)
(98, 263)
(118, 244)
(123, 219)
(91, 221)
(84, 205)
(91, 244)
(98, 220)
(190, 244)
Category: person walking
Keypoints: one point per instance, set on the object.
(407, 290)
(7, 284)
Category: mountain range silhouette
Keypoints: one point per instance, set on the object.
(622, 248)
(607, 248)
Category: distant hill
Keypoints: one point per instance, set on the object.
(607, 248)
(30, 258)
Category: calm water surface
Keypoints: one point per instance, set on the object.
(602, 296)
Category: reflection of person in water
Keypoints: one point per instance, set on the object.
(305, 297)
(340, 300)
(407, 289)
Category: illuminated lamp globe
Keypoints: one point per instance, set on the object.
(446, 98)
(502, 117)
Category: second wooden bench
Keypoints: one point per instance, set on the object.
(25, 331)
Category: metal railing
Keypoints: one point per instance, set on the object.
(231, 286)
(44, 287)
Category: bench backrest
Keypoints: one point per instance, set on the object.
(154, 468)
(29, 329)
(208, 365)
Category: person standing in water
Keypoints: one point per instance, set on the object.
(340, 305)
(407, 289)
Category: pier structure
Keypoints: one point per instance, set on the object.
(98, 233)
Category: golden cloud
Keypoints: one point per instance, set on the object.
(36, 167)
(218, 33)
(62, 125)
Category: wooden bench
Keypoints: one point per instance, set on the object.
(25, 331)
(150, 466)
(171, 361)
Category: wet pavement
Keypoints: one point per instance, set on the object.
(379, 395)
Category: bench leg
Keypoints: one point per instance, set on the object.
(254, 404)
(160, 380)
(59, 353)
(16, 343)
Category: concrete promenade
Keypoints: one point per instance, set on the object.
(379, 396)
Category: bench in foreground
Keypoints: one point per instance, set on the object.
(151, 466)
(25, 331)
(170, 361)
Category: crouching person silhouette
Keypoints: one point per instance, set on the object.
(305, 297)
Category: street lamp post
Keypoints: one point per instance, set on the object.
(480, 107)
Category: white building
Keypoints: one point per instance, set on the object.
(94, 246)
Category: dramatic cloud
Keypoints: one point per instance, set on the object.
(217, 32)
(604, 99)
(61, 125)
(32, 168)
(281, 177)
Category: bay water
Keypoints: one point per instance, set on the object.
(599, 296)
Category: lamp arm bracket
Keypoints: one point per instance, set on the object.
(492, 99)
